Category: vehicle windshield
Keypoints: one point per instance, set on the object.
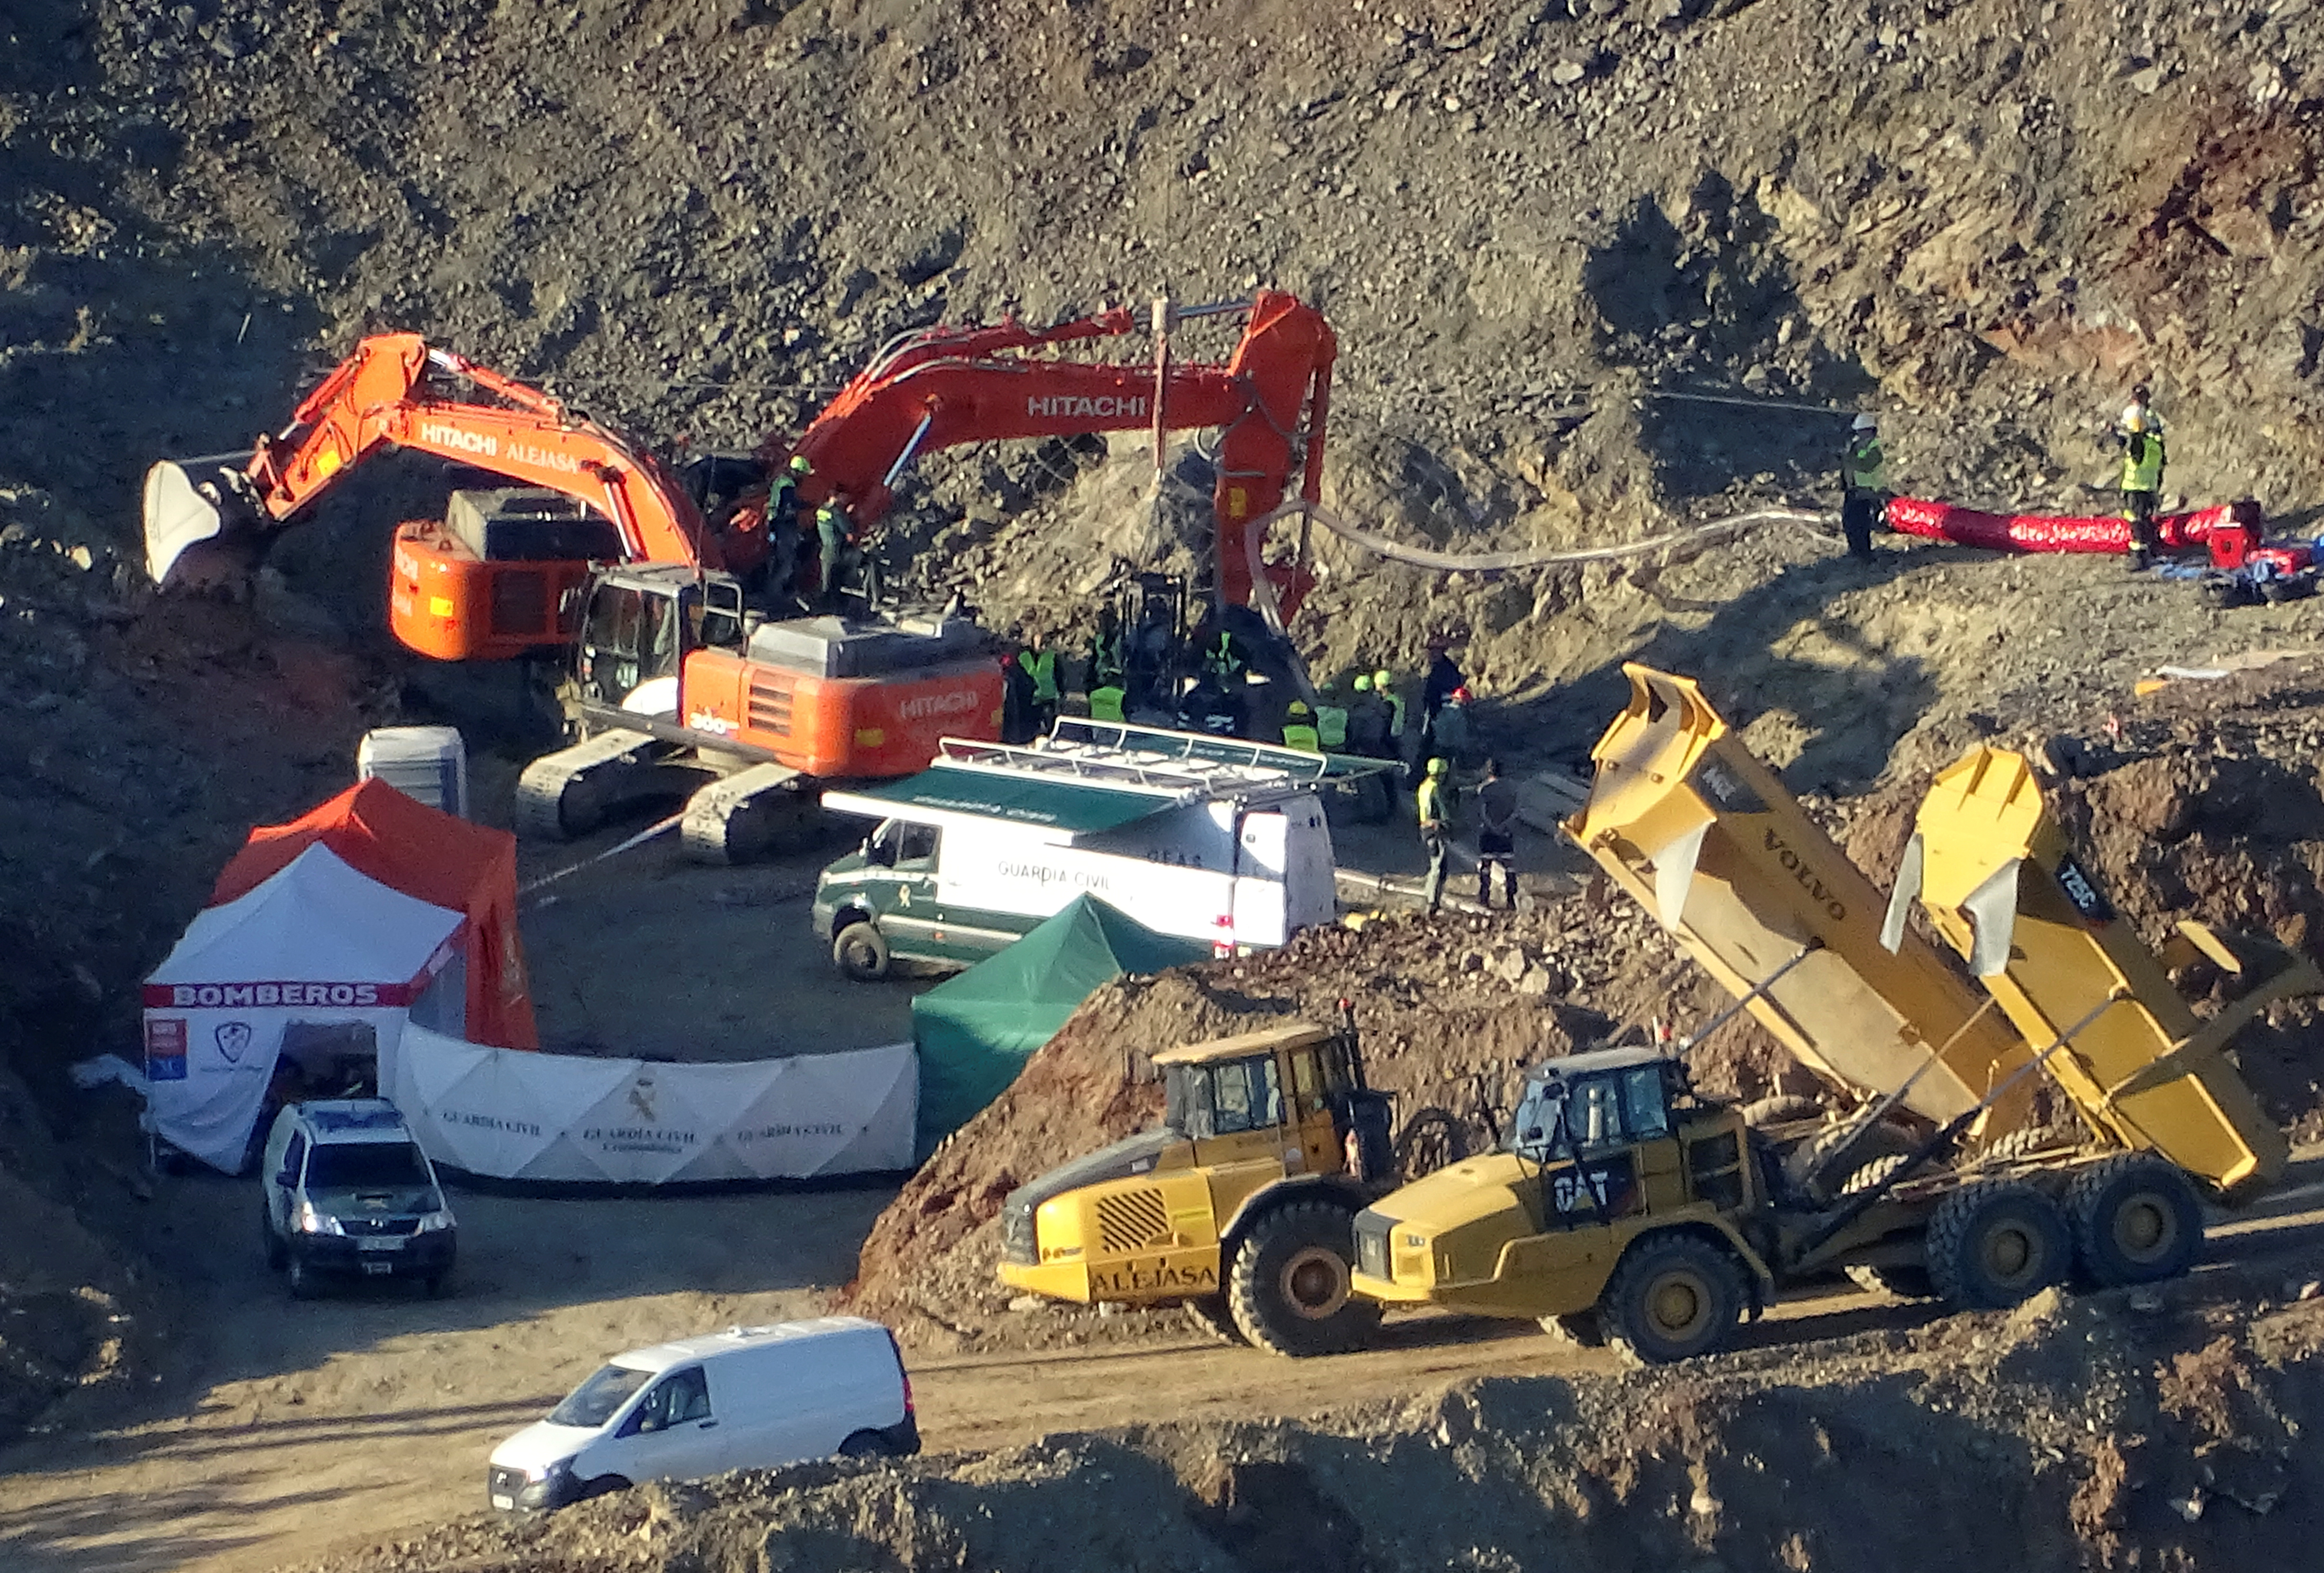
(365, 1165)
(597, 1400)
(1535, 1132)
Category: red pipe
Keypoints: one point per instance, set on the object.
(2231, 532)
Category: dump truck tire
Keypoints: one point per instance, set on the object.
(1289, 1287)
(1582, 1329)
(861, 951)
(1430, 1140)
(1674, 1297)
(1995, 1242)
(1210, 1317)
(2020, 1143)
(2136, 1220)
(1900, 1279)
(1783, 1106)
(1818, 1166)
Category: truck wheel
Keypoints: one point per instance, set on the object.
(866, 1445)
(1582, 1329)
(1209, 1314)
(304, 1279)
(2020, 1144)
(1819, 1165)
(1995, 1242)
(1902, 1279)
(1289, 1287)
(1430, 1140)
(861, 951)
(275, 1254)
(2136, 1220)
(1674, 1297)
(1781, 1107)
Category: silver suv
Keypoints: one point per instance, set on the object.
(348, 1193)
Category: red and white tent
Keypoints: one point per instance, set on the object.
(314, 945)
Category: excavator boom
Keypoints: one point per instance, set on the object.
(945, 386)
(382, 396)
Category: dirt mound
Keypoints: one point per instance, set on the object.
(2117, 1432)
(1450, 1010)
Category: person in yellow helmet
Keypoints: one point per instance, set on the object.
(1384, 685)
(1433, 803)
(2139, 430)
(1299, 729)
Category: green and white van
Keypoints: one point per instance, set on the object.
(1208, 838)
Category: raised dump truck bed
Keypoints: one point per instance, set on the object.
(1995, 871)
(1703, 834)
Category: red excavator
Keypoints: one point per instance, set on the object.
(671, 670)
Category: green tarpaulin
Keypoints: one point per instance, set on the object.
(976, 1032)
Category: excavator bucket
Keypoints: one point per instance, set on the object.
(1703, 834)
(186, 504)
(1995, 872)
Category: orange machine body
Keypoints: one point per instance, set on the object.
(836, 728)
(445, 601)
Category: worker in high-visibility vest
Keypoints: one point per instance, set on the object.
(1041, 662)
(1106, 700)
(2140, 432)
(1433, 802)
(1331, 726)
(1384, 685)
(1863, 485)
(1299, 728)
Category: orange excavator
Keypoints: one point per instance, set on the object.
(678, 681)
(495, 577)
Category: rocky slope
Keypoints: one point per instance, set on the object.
(1545, 231)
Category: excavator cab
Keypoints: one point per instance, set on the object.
(639, 625)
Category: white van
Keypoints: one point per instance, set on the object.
(750, 1398)
(1206, 839)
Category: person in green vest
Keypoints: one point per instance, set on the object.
(2140, 432)
(832, 534)
(1331, 726)
(1106, 700)
(1433, 803)
(1384, 685)
(1041, 662)
(1864, 484)
(1299, 728)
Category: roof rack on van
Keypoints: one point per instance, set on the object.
(1109, 753)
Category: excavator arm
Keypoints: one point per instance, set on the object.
(942, 387)
(388, 394)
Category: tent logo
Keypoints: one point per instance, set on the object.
(232, 1038)
(642, 1100)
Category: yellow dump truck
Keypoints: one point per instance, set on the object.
(1696, 830)
(1626, 1205)
(1239, 1205)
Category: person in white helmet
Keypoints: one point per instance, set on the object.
(1864, 484)
(2139, 430)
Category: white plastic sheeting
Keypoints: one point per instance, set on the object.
(521, 1114)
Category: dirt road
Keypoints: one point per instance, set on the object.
(305, 1427)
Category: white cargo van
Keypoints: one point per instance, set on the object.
(750, 1398)
(1207, 839)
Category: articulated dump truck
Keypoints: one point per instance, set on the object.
(1627, 1206)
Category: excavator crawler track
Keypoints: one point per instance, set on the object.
(572, 792)
(764, 809)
